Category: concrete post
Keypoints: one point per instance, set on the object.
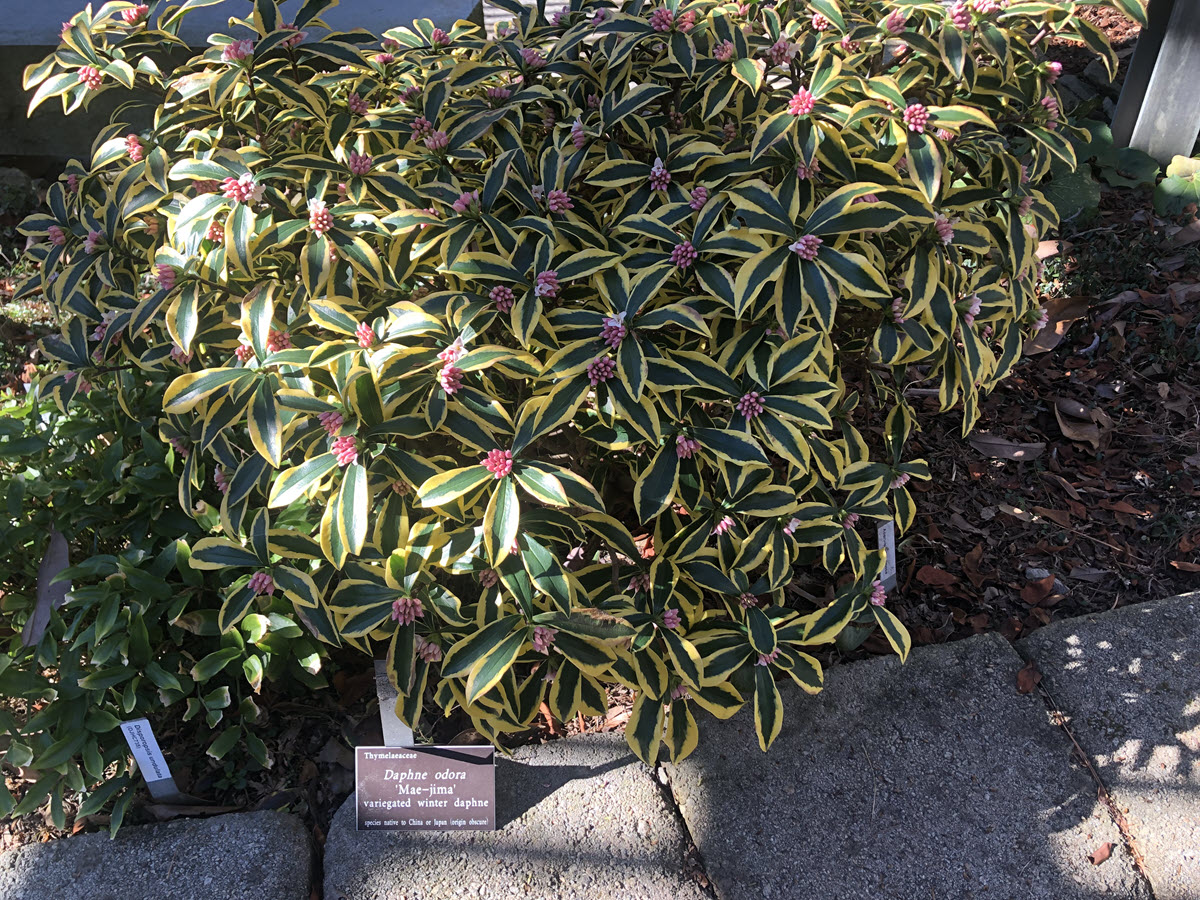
(1159, 108)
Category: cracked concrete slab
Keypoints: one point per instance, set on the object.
(1129, 681)
(929, 779)
(579, 818)
(241, 856)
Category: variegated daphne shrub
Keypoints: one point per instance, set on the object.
(545, 361)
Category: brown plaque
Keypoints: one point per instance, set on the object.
(425, 788)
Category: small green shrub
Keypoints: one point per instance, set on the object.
(137, 634)
(547, 359)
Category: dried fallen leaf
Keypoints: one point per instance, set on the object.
(1037, 591)
(935, 577)
(970, 564)
(1101, 853)
(1047, 249)
(1028, 678)
(999, 448)
(1058, 516)
(1063, 312)
(1062, 483)
(1087, 573)
(1014, 511)
(1076, 422)
(1184, 566)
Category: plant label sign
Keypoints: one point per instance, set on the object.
(425, 788)
(887, 543)
(150, 760)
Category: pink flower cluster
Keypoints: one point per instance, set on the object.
(407, 610)
(686, 447)
(750, 405)
(1050, 104)
(437, 140)
(659, 176)
(699, 197)
(221, 480)
(639, 582)
(488, 578)
(427, 650)
(93, 242)
(242, 189)
(136, 14)
(613, 330)
(237, 51)
(542, 638)
(807, 247)
(559, 201)
(166, 276)
(1053, 71)
(848, 45)
(782, 52)
(960, 15)
(915, 117)
(498, 94)
(360, 163)
(878, 594)
(898, 311)
(345, 450)
(502, 296)
(578, 135)
(747, 601)
(439, 38)
(357, 105)
(90, 77)
(297, 37)
(899, 481)
(383, 59)
(724, 51)
(850, 520)
(985, 7)
(261, 583)
(331, 420)
(467, 202)
(421, 127)
(601, 369)
(450, 378)
(684, 254)
(680, 692)
(207, 186)
(57, 236)
(724, 525)
(320, 219)
(133, 146)
(499, 462)
(662, 19)
(895, 22)
(806, 171)
(546, 284)
(244, 352)
(1042, 321)
(972, 310)
(819, 22)
(766, 659)
(278, 340)
(945, 229)
(180, 447)
(532, 58)
(672, 619)
(802, 103)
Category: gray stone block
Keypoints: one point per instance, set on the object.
(1130, 682)
(243, 856)
(579, 818)
(934, 779)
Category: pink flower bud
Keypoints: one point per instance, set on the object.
(915, 117)
(499, 462)
(542, 638)
(659, 176)
(559, 201)
(672, 619)
(136, 15)
(546, 284)
(699, 198)
(91, 77)
(166, 276)
(320, 219)
(237, 52)
(407, 610)
(684, 254)
(802, 103)
(357, 105)
(807, 247)
(261, 583)
(360, 164)
(502, 296)
(601, 369)
(750, 405)
(345, 450)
